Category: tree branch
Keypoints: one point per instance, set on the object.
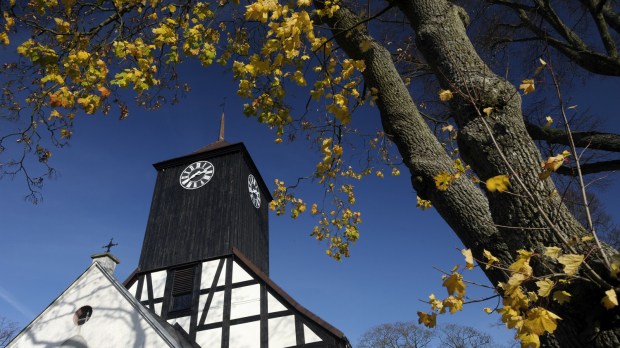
(593, 140)
(591, 168)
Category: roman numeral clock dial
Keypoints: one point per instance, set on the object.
(196, 175)
(254, 192)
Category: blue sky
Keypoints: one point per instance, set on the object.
(104, 190)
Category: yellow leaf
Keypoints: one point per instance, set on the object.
(529, 340)
(428, 320)
(488, 310)
(610, 300)
(445, 94)
(448, 128)
(549, 121)
(553, 162)
(587, 238)
(561, 296)
(490, 258)
(443, 181)
(522, 264)
(553, 252)
(104, 91)
(527, 86)
(454, 284)
(365, 45)
(278, 140)
(571, 263)
(498, 183)
(539, 320)
(453, 304)
(544, 287)
(488, 111)
(469, 259)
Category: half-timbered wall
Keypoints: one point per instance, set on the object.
(232, 308)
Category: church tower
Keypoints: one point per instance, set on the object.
(205, 204)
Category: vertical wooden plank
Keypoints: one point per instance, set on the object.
(299, 330)
(149, 289)
(227, 303)
(264, 317)
(195, 301)
(167, 294)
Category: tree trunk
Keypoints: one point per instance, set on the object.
(530, 218)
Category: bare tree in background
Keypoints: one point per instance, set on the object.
(396, 335)
(8, 329)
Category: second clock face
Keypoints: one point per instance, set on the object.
(254, 192)
(196, 175)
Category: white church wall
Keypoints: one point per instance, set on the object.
(239, 274)
(182, 321)
(282, 332)
(216, 311)
(209, 338)
(114, 322)
(158, 279)
(245, 335)
(310, 336)
(209, 269)
(245, 301)
(273, 304)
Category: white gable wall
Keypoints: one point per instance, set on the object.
(115, 322)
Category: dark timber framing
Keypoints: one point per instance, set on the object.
(330, 336)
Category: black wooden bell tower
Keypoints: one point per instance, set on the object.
(204, 204)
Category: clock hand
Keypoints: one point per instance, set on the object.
(201, 173)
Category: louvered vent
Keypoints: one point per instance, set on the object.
(182, 288)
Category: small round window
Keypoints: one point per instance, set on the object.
(82, 315)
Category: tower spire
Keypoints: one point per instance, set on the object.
(222, 128)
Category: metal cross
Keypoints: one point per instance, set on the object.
(110, 245)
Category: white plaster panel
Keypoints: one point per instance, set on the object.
(245, 335)
(273, 305)
(145, 291)
(209, 338)
(310, 336)
(158, 308)
(282, 332)
(114, 321)
(216, 311)
(209, 268)
(134, 289)
(239, 274)
(182, 321)
(158, 279)
(245, 301)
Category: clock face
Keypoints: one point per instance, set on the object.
(254, 192)
(196, 175)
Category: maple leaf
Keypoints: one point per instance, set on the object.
(104, 91)
(553, 252)
(453, 303)
(610, 300)
(522, 264)
(571, 263)
(469, 259)
(498, 183)
(448, 128)
(487, 310)
(549, 121)
(544, 287)
(428, 320)
(365, 45)
(529, 340)
(454, 284)
(527, 86)
(490, 258)
(561, 296)
(539, 320)
(445, 95)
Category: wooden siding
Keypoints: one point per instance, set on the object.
(190, 225)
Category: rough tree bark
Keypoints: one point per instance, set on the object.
(530, 218)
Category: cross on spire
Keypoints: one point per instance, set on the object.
(109, 246)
